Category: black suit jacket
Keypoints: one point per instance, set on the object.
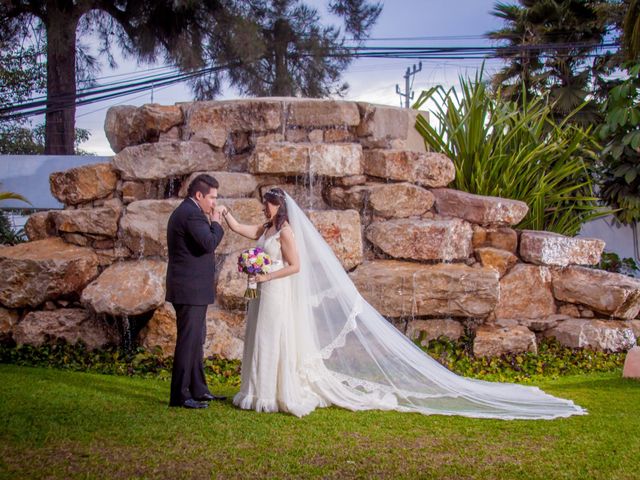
(191, 242)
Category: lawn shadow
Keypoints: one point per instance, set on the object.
(93, 384)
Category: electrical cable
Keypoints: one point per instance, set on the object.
(127, 87)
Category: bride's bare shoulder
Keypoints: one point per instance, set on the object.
(286, 229)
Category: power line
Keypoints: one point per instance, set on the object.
(87, 95)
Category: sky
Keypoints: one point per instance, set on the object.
(370, 80)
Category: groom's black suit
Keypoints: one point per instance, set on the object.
(191, 241)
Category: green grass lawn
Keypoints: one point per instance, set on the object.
(59, 424)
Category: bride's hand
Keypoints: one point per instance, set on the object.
(263, 277)
(222, 210)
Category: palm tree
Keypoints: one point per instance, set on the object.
(558, 38)
(631, 31)
(13, 196)
(8, 236)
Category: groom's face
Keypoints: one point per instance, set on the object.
(207, 202)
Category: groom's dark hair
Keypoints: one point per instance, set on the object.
(202, 183)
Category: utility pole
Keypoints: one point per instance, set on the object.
(408, 94)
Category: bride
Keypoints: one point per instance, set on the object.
(312, 341)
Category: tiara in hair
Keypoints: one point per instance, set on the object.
(276, 192)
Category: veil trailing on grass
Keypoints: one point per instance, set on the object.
(354, 358)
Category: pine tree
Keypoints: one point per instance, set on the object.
(281, 47)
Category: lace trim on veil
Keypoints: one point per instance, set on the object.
(349, 326)
(316, 299)
(371, 387)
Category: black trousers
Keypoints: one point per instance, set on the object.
(187, 378)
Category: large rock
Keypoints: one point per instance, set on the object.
(447, 239)
(231, 284)
(634, 325)
(392, 200)
(95, 221)
(434, 328)
(604, 335)
(503, 238)
(70, 324)
(133, 191)
(213, 122)
(160, 331)
(632, 364)
(389, 127)
(144, 226)
(342, 231)
(540, 324)
(83, 184)
(244, 210)
(478, 208)
(8, 319)
(127, 288)
(106, 256)
(35, 272)
(232, 184)
(280, 158)
(609, 293)
(525, 292)
(225, 332)
(309, 113)
(547, 248)
(492, 341)
(350, 181)
(332, 160)
(500, 260)
(335, 159)
(407, 289)
(40, 225)
(127, 125)
(153, 161)
(427, 169)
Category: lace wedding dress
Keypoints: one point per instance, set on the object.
(312, 341)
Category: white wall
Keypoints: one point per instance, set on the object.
(28, 175)
(621, 239)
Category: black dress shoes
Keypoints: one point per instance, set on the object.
(191, 403)
(207, 397)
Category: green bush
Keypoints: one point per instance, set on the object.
(620, 157)
(611, 262)
(8, 236)
(515, 150)
(552, 360)
(113, 361)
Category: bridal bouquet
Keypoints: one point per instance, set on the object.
(252, 262)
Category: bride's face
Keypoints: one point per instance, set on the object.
(270, 210)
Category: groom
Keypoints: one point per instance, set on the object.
(193, 233)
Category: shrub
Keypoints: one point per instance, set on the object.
(515, 150)
(113, 361)
(611, 262)
(551, 360)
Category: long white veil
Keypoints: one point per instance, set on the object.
(356, 359)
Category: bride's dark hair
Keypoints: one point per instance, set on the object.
(276, 196)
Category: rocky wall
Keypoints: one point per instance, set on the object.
(432, 260)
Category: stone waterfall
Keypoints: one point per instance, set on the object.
(434, 261)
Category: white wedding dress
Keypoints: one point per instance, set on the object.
(312, 341)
